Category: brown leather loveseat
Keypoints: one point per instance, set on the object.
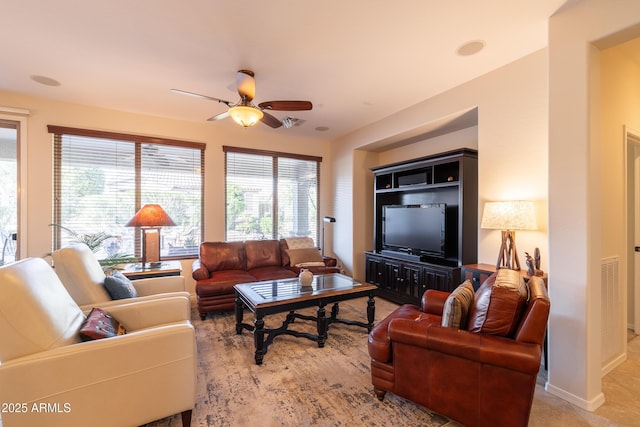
(222, 265)
(479, 373)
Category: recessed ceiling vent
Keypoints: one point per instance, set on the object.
(289, 122)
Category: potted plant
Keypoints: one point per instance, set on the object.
(95, 241)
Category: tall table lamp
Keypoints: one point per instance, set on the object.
(150, 218)
(508, 217)
(324, 220)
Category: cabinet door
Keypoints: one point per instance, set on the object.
(374, 270)
(437, 279)
(412, 283)
(393, 276)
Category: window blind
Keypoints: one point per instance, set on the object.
(101, 182)
(270, 195)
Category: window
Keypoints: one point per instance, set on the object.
(270, 195)
(8, 191)
(101, 179)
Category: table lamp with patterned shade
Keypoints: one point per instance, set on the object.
(150, 218)
(509, 216)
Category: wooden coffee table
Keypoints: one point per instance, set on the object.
(278, 296)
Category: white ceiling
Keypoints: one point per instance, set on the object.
(358, 61)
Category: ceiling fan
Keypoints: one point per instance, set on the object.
(244, 112)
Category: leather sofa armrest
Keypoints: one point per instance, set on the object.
(199, 271)
(86, 308)
(329, 261)
(478, 348)
(146, 314)
(95, 368)
(158, 285)
(433, 301)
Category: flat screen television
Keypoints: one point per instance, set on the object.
(415, 229)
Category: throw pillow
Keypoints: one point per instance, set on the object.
(299, 242)
(100, 324)
(305, 257)
(119, 286)
(457, 306)
(499, 304)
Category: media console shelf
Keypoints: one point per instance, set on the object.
(449, 178)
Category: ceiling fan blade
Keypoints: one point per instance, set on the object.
(286, 105)
(197, 95)
(270, 120)
(218, 117)
(246, 84)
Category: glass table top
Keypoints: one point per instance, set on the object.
(284, 289)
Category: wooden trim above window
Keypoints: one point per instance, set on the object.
(229, 149)
(63, 130)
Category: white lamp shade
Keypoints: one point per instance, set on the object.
(509, 215)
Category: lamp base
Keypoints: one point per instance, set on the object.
(508, 257)
(151, 246)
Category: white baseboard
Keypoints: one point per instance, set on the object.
(613, 364)
(588, 405)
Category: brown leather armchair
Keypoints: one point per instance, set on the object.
(471, 375)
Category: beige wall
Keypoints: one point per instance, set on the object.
(465, 138)
(576, 239)
(511, 137)
(39, 162)
(620, 107)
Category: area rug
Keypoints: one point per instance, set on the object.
(298, 384)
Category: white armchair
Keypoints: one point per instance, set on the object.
(81, 273)
(49, 377)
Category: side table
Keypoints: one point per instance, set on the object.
(478, 273)
(138, 271)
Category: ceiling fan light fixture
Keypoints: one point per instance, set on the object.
(245, 113)
(245, 116)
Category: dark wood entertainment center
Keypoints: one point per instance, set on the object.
(450, 178)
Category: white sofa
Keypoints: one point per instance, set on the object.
(80, 272)
(49, 377)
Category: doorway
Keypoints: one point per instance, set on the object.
(632, 196)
